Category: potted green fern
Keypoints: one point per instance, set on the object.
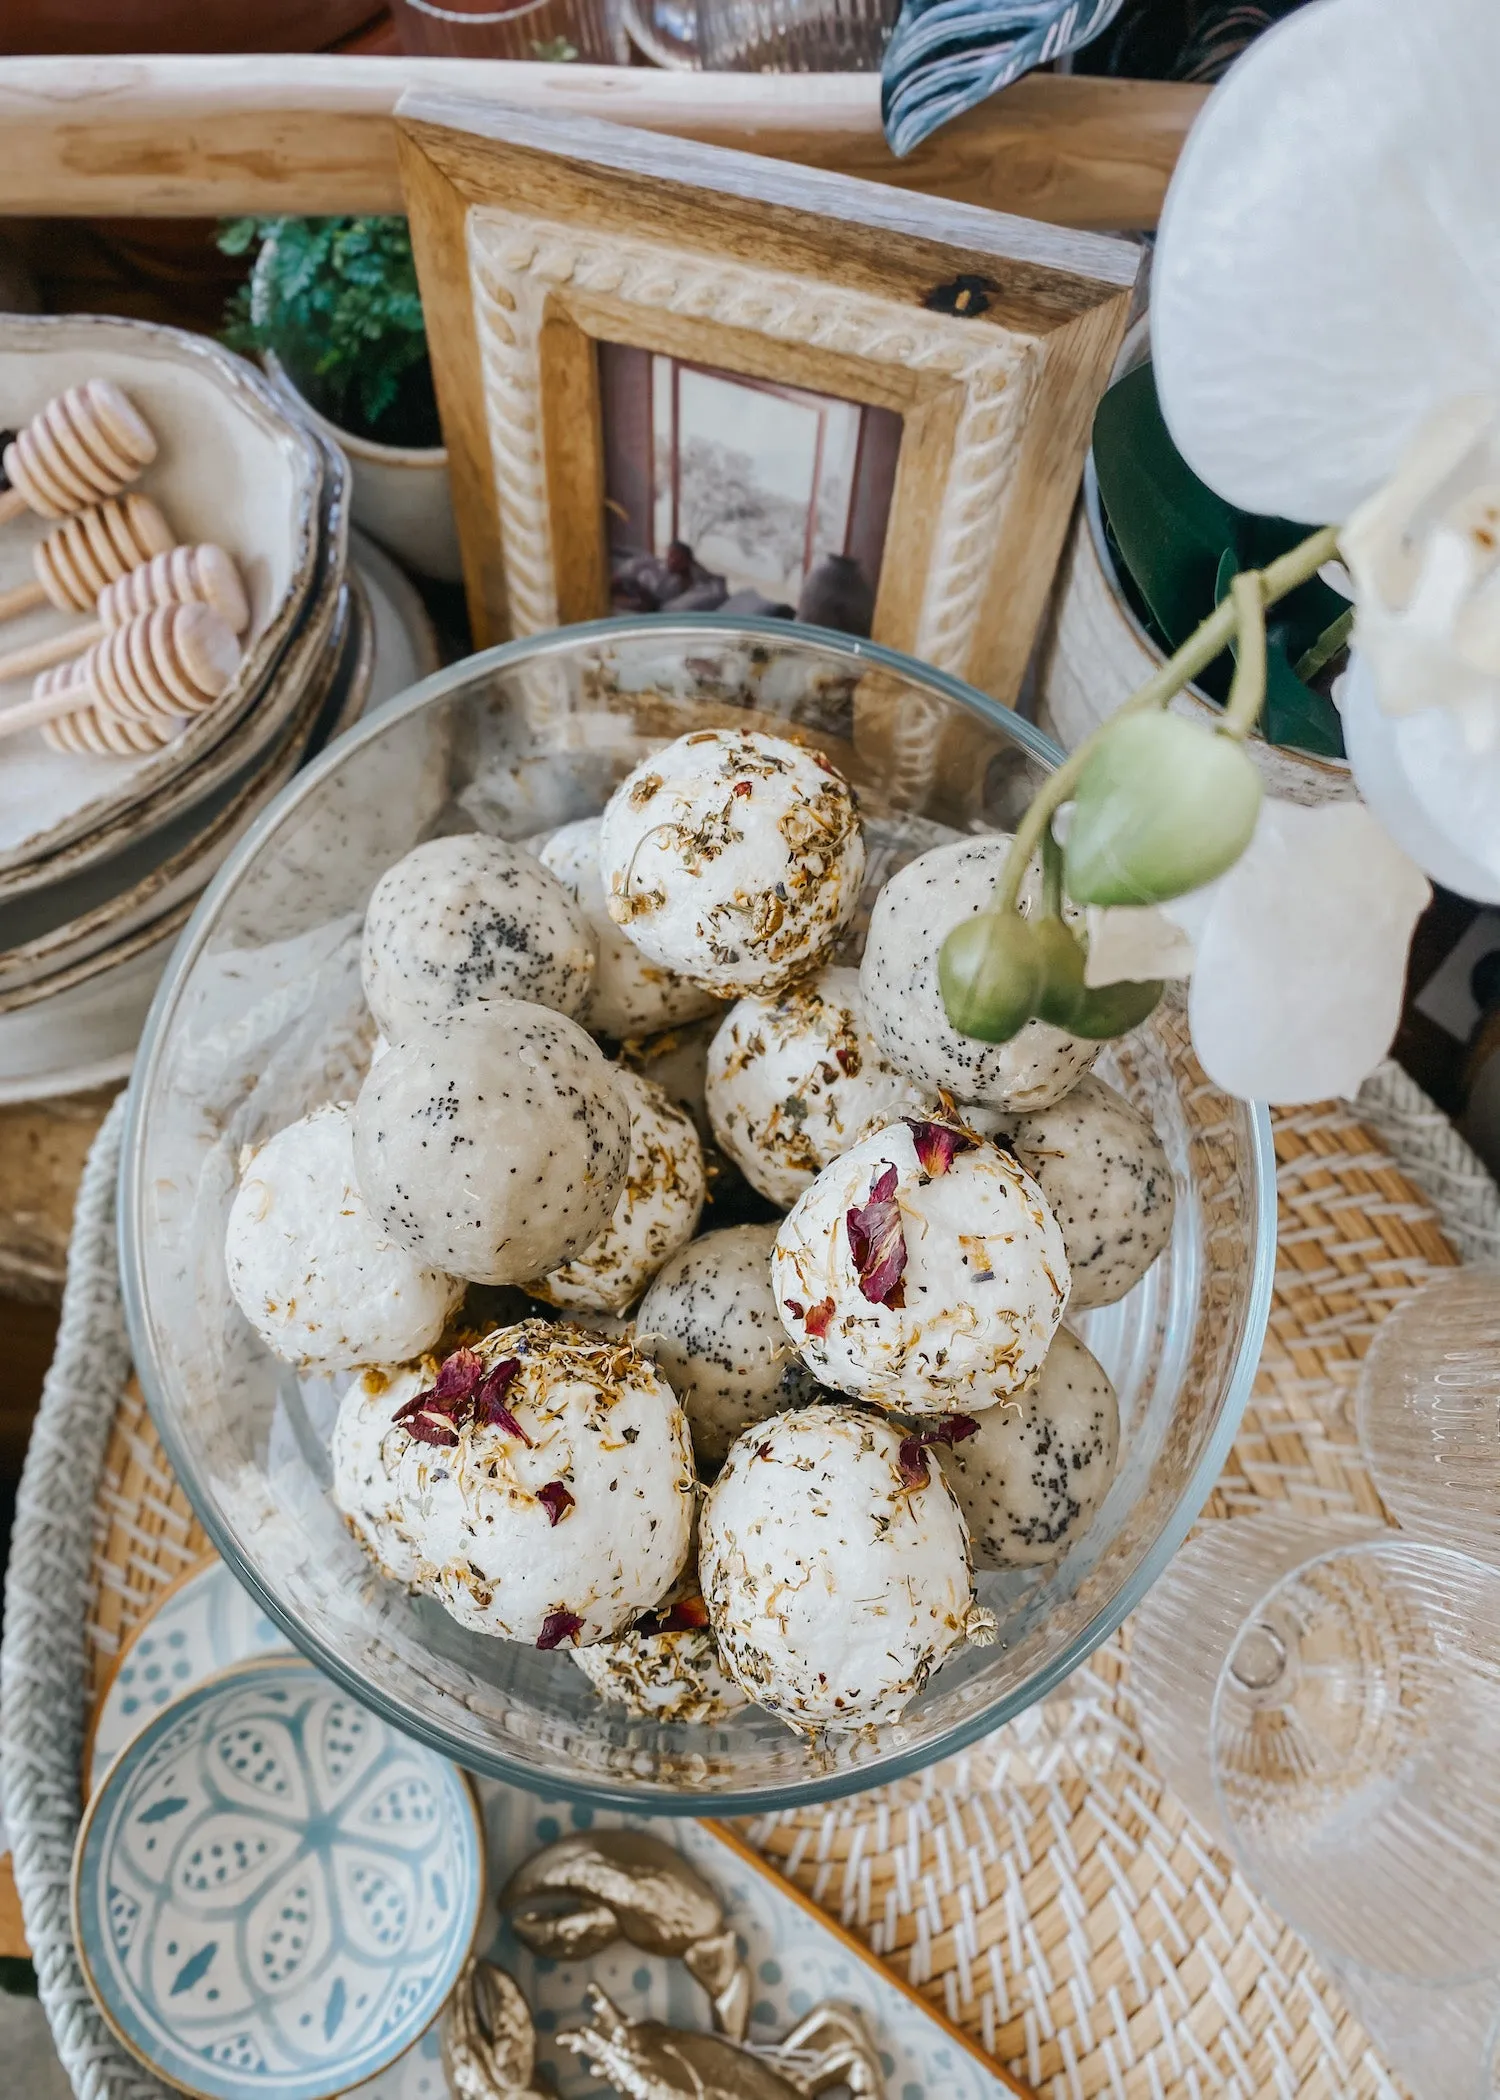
(333, 310)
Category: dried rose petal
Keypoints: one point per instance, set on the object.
(819, 1318)
(741, 788)
(953, 1429)
(557, 1627)
(555, 1500)
(912, 1460)
(489, 1401)
(795, 1307)
(878, 1243)
(688, 1615)
(458, 1375)
(429, 1426)
(938, 1144)
(848, 1060)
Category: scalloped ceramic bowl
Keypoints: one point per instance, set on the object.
(260, 1017)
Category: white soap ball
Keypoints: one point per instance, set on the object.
(549, 1485)
(656, 1212)
(365, 1451)
(463, 921)
(314, 1269)
(1035, 1470)
(835, 1567)
(922, 1271)
(1107, 1181)
(674, 1674)
(913, 915)
(733, 858)
(496, 1145)
(795, 1078)
(630, 995)
(711, 1322)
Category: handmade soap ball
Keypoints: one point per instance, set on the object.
(1107, 1181)
(313, 1270)
(547, 1484)
(657, 1210)
(493, 1146)
(462, 921)
(710, 1320)
(364, 1451)
(1034, 1471)
(675, 1673)
(898, 977)
(794, 1079)
(922, 1271)
(733, 858)
(835, 1567)
(631, 995)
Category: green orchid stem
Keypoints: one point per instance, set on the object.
(1208, 640)
(1247, 691)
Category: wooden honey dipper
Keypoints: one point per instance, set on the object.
(132, 690)
(86, 444)
(204, 574)
(88, 551)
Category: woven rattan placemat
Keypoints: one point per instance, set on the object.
(1043, 1889)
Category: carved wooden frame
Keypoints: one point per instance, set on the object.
(537, 237)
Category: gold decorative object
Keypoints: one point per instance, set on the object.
(576, 1897)
(489, 2042)
(644, 2060)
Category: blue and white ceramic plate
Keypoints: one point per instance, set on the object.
(273, 1890)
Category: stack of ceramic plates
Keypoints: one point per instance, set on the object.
(102, 858)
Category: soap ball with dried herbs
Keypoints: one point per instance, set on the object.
(922, 1271)
(835, 1566)
(313, 1267)
(494, 1145)
(546, 1481)
(733, 858)
(1029, 1475)
(461, 921)
(666, 1665)
(710, 1321)
(657, 1210)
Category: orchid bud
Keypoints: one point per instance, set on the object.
(1162, 807)
(990, 975)
(1067, 1001)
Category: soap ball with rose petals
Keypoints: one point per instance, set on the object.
(733, 858)
(496, 1145)
(922, 1271)
(710, 1320)
(1029, 1475)
(459, 922)
(545, 1480)
(898, 978)
(631, 995)
(835, 1567)
(795, 1078)
(365, 1451)
(1107, 1181)
(666, 1665)
(313, 1269)
(656, 1213)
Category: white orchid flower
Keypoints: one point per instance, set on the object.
(1328, 265)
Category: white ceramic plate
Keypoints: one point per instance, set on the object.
(232, 466)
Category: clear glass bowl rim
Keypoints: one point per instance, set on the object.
(897, 1765)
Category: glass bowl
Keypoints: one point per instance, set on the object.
(260, 1018)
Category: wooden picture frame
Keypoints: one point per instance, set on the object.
(539, 237)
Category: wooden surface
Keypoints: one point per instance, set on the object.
(185, 137)
(536, 237)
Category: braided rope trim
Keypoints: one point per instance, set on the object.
(43, 1664)
(517, 261)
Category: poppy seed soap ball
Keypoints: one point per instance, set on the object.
(793, 1081)
(312, 1266)
(494, 1146)
(898, 977)
(733, 858)
(835, 1567)
(1107, 1181)
(710, 1321)
(462, 921)
(1034, 1471)
(546, 1480)
(656, 1213)
(922, 1271)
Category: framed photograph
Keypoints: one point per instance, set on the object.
(675, 377)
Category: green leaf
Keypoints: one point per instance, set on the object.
(1169, 527)
(1294, 716)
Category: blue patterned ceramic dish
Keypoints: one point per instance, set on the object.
(273, 1890)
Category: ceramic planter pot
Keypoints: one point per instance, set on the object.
(1095, 652)
(401, 495)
